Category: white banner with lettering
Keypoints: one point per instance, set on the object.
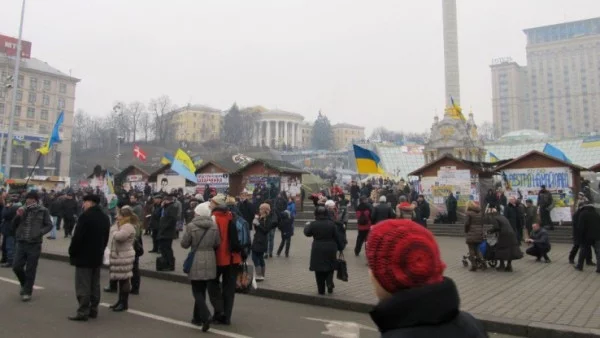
(217, 181)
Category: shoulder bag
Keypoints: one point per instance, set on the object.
(189, 260)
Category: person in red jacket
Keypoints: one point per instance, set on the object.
(222, 293)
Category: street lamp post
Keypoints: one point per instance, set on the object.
(14, 96)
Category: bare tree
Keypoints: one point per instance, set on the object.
(160, 108)
(486, 131)
(134, 111)
(145, 124)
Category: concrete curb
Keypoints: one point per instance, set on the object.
(514, 327)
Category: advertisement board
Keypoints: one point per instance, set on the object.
(8, 46)
(217, 181)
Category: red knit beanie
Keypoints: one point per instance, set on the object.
(403, 254)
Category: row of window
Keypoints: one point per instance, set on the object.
(34, 83)
(32, 99)
(30, 112)
(28, 126)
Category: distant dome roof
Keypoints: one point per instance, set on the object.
(524, 134)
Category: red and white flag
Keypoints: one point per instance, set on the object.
(137, 152)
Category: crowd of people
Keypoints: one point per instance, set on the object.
(222, 232)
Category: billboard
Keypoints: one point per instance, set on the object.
(8, 46)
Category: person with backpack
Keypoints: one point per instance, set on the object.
(222, 292)
(280, 205)
(363, 216)
(263, 225)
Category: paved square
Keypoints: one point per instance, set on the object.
(536, 292)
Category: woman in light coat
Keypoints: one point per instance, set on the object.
(202, 235)
(122, 255)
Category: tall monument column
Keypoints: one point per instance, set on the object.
(451, 70)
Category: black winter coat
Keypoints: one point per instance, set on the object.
(514, 216)
(260, 243)
(507, 247)
(69, 209)
(382, 212)
(588, 225)
(167, 228)
(90, 238)
(425, 312)
(8, 215)
(326, 243)
(248, 210)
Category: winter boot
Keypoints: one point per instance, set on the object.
(124, 305)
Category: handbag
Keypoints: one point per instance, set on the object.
(189, 260)
(342, 268)
(138, 246)
(246, 279)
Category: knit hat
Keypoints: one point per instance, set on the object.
(203, 209)
(330, 203)
(382, 199)
(219, 200)
(33, 195)
(403, 254)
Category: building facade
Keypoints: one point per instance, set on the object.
(307, 134)
(509, 91)
(42, 93)
(276, 128)
(345, 134)
(195, 123)
(562, 80)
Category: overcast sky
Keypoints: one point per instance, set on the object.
(370, 63)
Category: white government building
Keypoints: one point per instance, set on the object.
(277, 127)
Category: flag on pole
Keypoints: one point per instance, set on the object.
(367, 162)
(182, 156)
(555, 152)
(456, 111)
(110, 183)
(166, 159)
(493, 158)
(181, 169)
(139, 153)
(54, 136)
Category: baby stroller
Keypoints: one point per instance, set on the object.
(487, 251)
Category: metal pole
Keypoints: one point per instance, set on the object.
(14, 97)
(118, 150)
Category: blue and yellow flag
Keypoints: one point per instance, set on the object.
(367, 162)
(166, 159)
(456, 111)
(493, 158)
(555, 152)
(591, 142)
(110, 183)
(184, 158)
(54, 137)
(181, 169)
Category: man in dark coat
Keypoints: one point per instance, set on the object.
(246, 207)
(507, 247)
(414, 301)
(545, 204)
(588, 235)
(451, 206)
(69, 213)
(423, 211)
(514, 216)
(382, 211)
(576, 224)
(31, 224)
(354, 194)
(155, 220)
(167, 231)
(86, 253)
(540, 243)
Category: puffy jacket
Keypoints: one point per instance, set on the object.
(474, 225)
(223, 217)
(35, 223)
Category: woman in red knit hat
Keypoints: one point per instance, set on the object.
(415, 299)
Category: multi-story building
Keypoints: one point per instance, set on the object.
(562, 83)
(306, 130)
(42, 93)
(510, 107)
(345, 134)
(195, 123)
